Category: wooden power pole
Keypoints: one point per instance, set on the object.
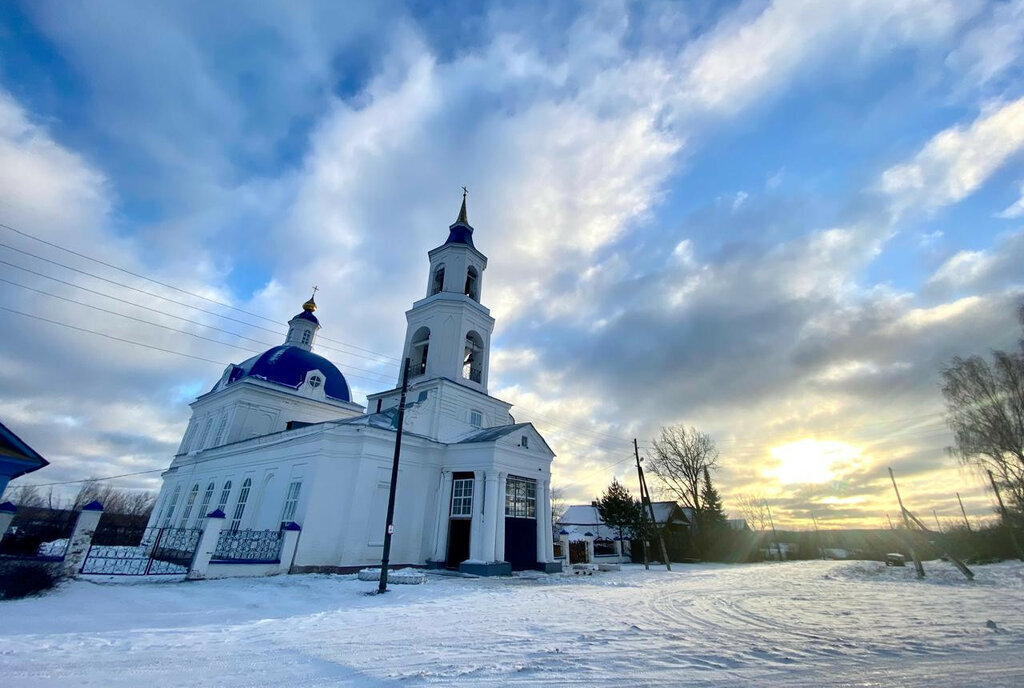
(645, 498)
(964, 512)
(918, 566)
(390, 527)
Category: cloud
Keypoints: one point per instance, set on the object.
(1016, 210)
(956, 161)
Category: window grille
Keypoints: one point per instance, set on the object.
(205, 504)
(243, 495)
(170, 506)
(291, 501)
(217, 439)
(520, 497)
(306, 336)
(224, 494)
(476, 419)
(189, 504)
(462, 497)
(200, 442)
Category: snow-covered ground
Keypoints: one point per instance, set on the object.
(807, 624)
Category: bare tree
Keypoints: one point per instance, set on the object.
(679, 458)
(24, 495)
(114, 500)
(754, 509)
(558, 505)
(985, 411)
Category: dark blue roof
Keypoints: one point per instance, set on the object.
(307, 315)
(288, 365)
(460, 233)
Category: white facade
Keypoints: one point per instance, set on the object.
(278, 439)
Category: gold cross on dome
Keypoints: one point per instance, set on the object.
(315, 289)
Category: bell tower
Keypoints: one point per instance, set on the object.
(449, 331)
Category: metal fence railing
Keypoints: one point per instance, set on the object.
(249, 546)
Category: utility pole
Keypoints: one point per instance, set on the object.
(964, 512)
(643, 509)
(645, 497)
(1006, 517)
(937, 524)
(778, 547)
(390, 525)
(891, 526)
(918, 566)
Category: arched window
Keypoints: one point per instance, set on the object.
(243, 496)
(473, 357)
(188, 505)
(217, 439)
(204, 505)
(200, 442)
(418, 351)
(472, 284)
(224, 494)
(438, 283)
(169, 514)
(307, 336)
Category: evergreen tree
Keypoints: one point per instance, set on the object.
(712, 512)
(619, 510)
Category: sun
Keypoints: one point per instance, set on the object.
(811, 461)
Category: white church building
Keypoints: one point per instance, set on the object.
(278, 439)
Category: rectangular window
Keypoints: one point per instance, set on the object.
(476, 419)
(520, 497)
(524, 442)
(462, 497)
(291, 501)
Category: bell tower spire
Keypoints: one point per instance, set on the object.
(449, 331)
(303, 327)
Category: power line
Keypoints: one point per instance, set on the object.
(88, 480)
(169, 286)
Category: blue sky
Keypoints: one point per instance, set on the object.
(771, 220)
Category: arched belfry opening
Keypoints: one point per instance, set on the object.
(473, 358)
(472, 284)
(437, 284)
(418, 349)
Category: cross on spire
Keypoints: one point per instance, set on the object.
(315, 289)
(462, 212)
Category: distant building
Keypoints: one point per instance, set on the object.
(673, 520)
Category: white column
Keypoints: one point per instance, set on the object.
(213, 524)
(444, 498)
(499, 540)
(589, 537)
(542, 540)
(476, 534)
(81, 537)
(491, 516)
(289, 543)
(618, 549)
(549, 535)
(564, 539)
(7, 511)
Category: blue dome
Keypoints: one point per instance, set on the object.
(288, 365)
(460, 233)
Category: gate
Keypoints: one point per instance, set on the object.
(142, 551)
(578, 552)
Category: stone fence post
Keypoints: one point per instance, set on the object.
(590, 546)
(81, 537)
(212, 527)
(618, 548)
(7, 511)
(289, 541)
(563, 539)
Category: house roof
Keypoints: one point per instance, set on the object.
(581, 518)
(16, 457)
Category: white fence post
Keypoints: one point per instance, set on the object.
(289, 541)
(563, 538)
(590, 547)
(212, 527)
(81, 537)
(7, 511)
(618, 548)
